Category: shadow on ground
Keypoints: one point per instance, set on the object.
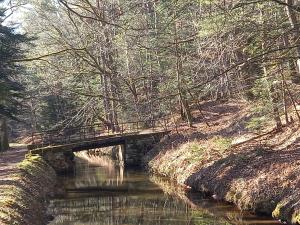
(257, 179)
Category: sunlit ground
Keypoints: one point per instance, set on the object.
(17, 145)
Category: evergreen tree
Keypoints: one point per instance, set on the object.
(10, 88)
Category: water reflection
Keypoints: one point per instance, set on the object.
(102, 193)
(87, 171)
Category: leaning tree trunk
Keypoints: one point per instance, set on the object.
(3, 135)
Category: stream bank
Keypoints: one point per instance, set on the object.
(24, 194)
(258, 173)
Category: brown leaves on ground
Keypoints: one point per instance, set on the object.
(259, 173)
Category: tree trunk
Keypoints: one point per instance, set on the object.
(273, 94)
(296, 32)
(110, 79)
(275, 97)
(184, 105)
(291, 63)
(284, 95)
(4, 145)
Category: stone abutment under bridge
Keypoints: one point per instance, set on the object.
(128, 151)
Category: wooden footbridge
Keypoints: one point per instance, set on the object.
(97, 135)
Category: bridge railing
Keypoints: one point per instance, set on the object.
(98, 130)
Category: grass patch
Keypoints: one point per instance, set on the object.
(256, 124)
(196, 150)
(32, 164)
(221, 143)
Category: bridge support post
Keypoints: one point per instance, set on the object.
(122, 154)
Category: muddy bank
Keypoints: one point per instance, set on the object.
(24, 196)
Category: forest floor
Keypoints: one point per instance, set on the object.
(257, 171)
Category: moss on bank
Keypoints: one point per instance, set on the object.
(23, 198)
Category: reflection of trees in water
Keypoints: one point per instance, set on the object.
(152, 210)
(102, 172)
(88, 173)
(129, 199)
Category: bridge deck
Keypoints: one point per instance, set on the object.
(103, 141)
(96, 135)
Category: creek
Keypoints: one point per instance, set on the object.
(100, 192)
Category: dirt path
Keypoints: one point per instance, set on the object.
(9, 161)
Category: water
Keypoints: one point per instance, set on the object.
(101, 193)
